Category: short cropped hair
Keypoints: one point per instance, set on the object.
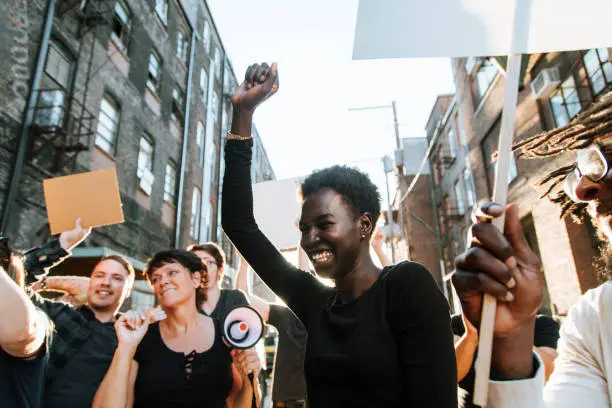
(121, 260)
(211, 248)
(353, 185)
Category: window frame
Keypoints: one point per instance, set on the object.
(112, 102)
(122, 39)
(603, 65)
(195, 218)
(203, 84)
(154, 82)
(564, 96)
(161, 6)
(178, 104)
(484, 71)
(170, 193)
(182, 47)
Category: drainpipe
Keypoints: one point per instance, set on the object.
(28, 117)
(181, 187)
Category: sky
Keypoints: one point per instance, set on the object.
(307, 125)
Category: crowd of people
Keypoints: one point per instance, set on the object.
(378, 337)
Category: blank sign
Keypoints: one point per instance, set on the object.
(277, 207)
(461, 28)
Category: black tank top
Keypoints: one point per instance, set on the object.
(171, 379)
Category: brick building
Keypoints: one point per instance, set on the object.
(554, 88)
(418, 237)
(140, 85)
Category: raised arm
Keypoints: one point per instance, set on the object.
(23, 329)
(242, 283)
(117, 388)
(74, 288)
(465, 349)
(39, 260)
(377, 245)
(295, 287)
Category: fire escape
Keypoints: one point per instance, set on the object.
(63, 127)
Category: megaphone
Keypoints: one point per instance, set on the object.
(242, 328)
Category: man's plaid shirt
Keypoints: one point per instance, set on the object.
(71, 329)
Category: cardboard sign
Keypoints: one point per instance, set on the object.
(277, 207)
(463, 28)
(93, 196)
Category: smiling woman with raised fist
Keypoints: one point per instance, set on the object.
(379, 338)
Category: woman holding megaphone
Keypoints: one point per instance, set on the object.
(181, 360)
(379, 338)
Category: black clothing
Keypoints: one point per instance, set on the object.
(76, 382)
(22, 380)
(546, 333)
(288, 378)
(39, 260)
(391, 347)
(171, 379)
(228, 300)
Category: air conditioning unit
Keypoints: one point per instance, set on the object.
(146, 180)
(472, 63)
(545, 83)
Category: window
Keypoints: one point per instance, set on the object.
(210, 153)
(217, 63)
(145, 155)
(214, 107)
(178, 101)
(196, 207)
(452, 140)
(469, 187)
(161, 8)
(108, 123)
(599, 69)
(203, 84)
(460, 203)
(484, 78)
(145, 164)
(489, 149)
(565, 102)
(181, 47)
(206, 36)
(54, 87)
(154, 72)
(121, 25)
(170, 183)
(200, 144)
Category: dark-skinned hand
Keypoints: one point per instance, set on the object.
(260, 82)
(502, 265)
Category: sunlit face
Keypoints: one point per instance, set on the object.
(214, 271)
(331, 234)
(599, 196)
(109, 285)
(173, 284)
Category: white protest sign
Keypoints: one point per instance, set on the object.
(276, 206)
(460, 28)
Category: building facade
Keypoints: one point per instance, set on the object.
(143, 86)
(554, 88)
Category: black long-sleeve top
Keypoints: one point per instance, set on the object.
(391, 347)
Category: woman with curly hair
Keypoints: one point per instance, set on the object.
(379, 338)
